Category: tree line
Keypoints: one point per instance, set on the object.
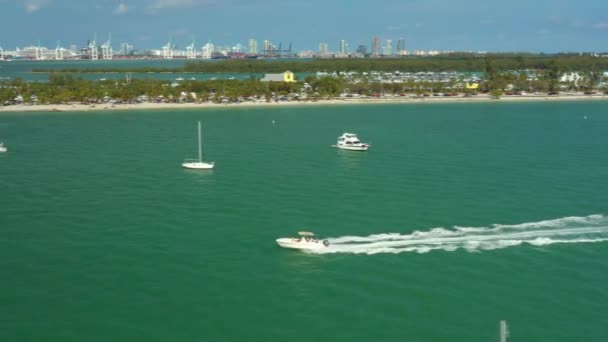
(461, 62)
(502, 73)
(64, 88)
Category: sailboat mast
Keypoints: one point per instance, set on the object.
(200, 149)
(504, 331)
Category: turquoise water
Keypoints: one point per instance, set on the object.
(105, 237)
(23, 69)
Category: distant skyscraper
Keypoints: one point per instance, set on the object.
(388, 48)
(343, 47)
(362, 49)
(270, 49)
(126, 49)
(375, 46)
(400, 45)
(323, 48)
(253, 46)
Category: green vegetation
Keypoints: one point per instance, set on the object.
(63, 88)
(504, 75)
(451, 62)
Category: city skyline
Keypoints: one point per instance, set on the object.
(472, 25)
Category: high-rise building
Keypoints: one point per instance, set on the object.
(362, 49)
(388, 48)
(375, 46)
(126, 49)
(401, 46)
(323, 48)
(253, 46)
(270, 49)
(343, 47)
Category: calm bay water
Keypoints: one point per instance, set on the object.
(23, 69)
(105, 237)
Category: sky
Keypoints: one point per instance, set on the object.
(462, 25)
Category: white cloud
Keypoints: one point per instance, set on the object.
(578, 23)
(543, 31)
(162, 4)
(398, 27)
(34, 5)
(180, 32)
(602, 25)
(121, 9)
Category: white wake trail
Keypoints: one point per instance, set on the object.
(588, 229)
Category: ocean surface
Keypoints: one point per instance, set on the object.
(459, 216)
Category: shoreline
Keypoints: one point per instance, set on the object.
(102, 107)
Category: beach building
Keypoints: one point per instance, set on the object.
(472, 86)
(286, 76)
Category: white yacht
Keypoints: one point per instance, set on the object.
(2, 147)
(305, 241)
(198, 164)
(350, 141)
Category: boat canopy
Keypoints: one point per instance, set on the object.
(306, 233)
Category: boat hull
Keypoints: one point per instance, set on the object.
(302, 244)
(353, 148)
(198, 165)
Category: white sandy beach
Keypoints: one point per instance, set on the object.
(77, 107)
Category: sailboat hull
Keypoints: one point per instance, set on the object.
(198, 165)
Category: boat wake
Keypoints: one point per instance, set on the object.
(593, 228)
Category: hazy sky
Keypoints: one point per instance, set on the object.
(508, 25)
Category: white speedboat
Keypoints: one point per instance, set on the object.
(306, 240)
(350, 141)
(3, 148)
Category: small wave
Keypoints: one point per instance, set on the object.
(588, 229)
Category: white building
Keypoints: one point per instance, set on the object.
(207, 50)
(343, 47)
(323, 48)
(253, 47)
(388, 48)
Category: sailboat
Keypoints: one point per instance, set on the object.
(198, 164)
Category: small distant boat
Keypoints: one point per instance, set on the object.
(198, 164)
(350, 141)
(179, 79)
(2, 147)
(305, 241)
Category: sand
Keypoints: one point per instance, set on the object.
(77, 107)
